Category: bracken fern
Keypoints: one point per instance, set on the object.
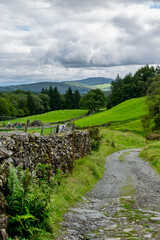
(27, 204)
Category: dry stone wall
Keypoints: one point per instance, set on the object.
(27, 150)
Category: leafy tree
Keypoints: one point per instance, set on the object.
(21, 113)
(38, 104)
(45, 101)
(152, 120)
(143, 78)
(30, 103)
(22, 101)
(4, 107)
(93, 100)
(22, 104)
(130, 86)
(35, 105)
(122, 90)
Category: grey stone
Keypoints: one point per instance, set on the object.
(4, 153)
(90, 235)
(112, 238)
(76, 225)
(80, 217)
(111, 227)
(155, 218)
(127, 230)
(149, 235)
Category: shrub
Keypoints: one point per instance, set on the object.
(95, 138)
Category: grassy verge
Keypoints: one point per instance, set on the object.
(87, 172)
(152, 153)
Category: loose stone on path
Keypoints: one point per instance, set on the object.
(123, 205)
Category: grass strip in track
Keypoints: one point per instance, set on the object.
(86, 173)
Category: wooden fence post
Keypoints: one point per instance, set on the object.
(27, 124)
(57, 129)
(42, 130)
(73, 126)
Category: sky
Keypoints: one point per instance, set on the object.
(58, 40)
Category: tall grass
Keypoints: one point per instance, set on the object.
(152, 154)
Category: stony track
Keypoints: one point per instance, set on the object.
(124, 204)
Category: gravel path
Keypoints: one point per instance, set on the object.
(124, 204)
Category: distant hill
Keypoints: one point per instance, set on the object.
(94, 81)
(82, 86)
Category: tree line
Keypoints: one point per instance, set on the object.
(24, 103)
(151, 121)
(145, 82)
(131, 86)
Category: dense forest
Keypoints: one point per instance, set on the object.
(24, 103)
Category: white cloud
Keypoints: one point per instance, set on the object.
(65, 40)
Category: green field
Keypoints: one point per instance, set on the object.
(131, 109)
(54, 116)
(103, 87)
(46, 131)
(134, 126)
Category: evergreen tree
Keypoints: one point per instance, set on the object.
(51, 96)
(4, 107)
(45, 91)
(56, 99)
(77, 98)
(69, 99)
(30, 103)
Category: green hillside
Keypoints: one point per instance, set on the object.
(54, 116)
(130, 109)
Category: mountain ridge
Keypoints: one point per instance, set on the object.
(83, 85)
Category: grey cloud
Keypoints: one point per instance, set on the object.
(129, 24)
(70, 38)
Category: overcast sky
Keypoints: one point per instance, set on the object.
(54, 40)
